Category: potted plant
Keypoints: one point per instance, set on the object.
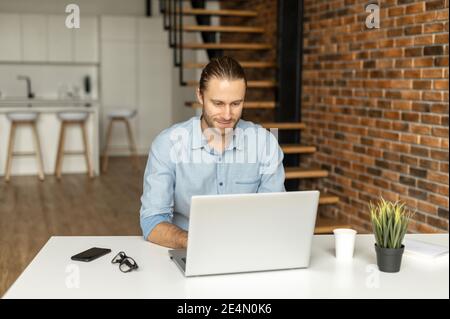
(390, 223)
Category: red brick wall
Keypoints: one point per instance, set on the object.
(375, 102)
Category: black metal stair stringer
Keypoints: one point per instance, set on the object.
(288, 93)
(207, 37)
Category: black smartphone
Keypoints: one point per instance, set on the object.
(91, 254)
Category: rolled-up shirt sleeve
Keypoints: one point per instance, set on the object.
(158, 186)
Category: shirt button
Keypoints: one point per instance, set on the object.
(220, 184)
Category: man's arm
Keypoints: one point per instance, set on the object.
(169, 235)
(157, 199)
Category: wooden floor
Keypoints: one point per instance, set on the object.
(31, 211)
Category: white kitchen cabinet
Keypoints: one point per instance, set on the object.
(34, 37)
(86, 40)
(137, 72)
(60, 40)
(45, 38)
(119, 61)
(118, 28)
(10, 37)
(155, 82)
(119, 85)
(149, 31)
(118, 74)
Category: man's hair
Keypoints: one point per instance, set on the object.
(224, 67)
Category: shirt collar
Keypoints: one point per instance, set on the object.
(199, 140)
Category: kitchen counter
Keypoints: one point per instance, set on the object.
(48, 126)
(44, 102)
(45, 108)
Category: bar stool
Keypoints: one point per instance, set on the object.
(17, 119)
(67, 119)
(120, 116)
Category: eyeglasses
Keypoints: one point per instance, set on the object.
(126, 264)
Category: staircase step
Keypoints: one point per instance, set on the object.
(226, 46)
(214, 0)
(325, 225)
(299, 172)
(220, 12)
(221, 28)
(250, 84)
(284, 125)
(244, 64)
(247, 105)
(261, 84)
(328, 199)
(297, 149)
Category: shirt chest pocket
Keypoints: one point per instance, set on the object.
(246, 185)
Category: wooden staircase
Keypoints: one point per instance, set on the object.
(174, 11)
(247, 104)
(212, 28)
(250, 84)
(244, 64)
(208, 12)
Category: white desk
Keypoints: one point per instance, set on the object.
(53, 275)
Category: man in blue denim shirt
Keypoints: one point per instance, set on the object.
(217, 153)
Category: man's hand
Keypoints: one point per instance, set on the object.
(168, 235)
(185, 239)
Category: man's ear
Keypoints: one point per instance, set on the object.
(199, 96)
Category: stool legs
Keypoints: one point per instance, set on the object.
(131, 143)
(86, 152)
(108, 140)
(60, 153)
(37, 146)
(38, 152)
(12, 133)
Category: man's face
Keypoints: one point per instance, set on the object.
(222, 101)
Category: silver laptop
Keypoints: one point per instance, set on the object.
(248, 232)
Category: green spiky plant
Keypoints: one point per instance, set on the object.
(390, 223)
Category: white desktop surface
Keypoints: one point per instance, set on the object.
(52, 274)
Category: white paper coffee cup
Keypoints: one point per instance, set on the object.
(344, 239)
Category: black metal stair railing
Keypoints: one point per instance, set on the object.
(173, 22)
(207, 37)
(172, 11)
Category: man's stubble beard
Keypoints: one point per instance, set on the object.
(210, 123)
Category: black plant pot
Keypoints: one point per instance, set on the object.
(389, 259)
